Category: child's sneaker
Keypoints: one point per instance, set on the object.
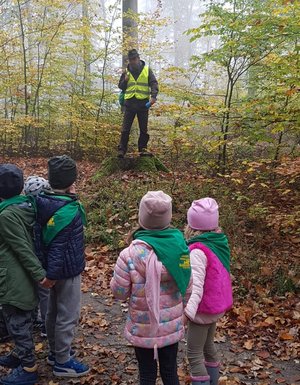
(71, 368)
(9, 361)
(51, 357)
(37, 324)
(20, 376)
(43, 332)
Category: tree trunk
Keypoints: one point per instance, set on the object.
(130, 33)
(225, 121)
(26, 104)
(225, 128)
(108, 34)
(86, 84)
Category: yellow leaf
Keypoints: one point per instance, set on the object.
(270, 321)
(285, 336)
(38, 347)
(248, 344)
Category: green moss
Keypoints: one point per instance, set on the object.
(160, 166)
(112, 165)
(146, 164)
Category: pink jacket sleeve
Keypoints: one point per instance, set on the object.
(120, 283)
(198, 264)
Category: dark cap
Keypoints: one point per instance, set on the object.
(11, 181)
(133, 53)
(62, 172)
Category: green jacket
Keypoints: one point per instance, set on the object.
(20, 269)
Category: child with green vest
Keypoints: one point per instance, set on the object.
(61, 218)
(154, 274)
(20, 271)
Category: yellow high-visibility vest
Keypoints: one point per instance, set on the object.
(140, 87)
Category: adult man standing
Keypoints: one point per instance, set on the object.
(138, 84)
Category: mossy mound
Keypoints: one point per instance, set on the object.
(112, 165)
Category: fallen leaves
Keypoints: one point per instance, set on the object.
(269, 321)
(260, 330)
(39, 347)
(285, 336)
(225, 380)
(248, 344)
(280, 380)
(263, 354)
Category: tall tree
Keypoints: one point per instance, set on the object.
(248, 35)
(129, 23)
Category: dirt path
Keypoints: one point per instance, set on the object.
(115, 361)
(99, 342)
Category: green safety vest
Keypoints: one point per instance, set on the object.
(140, 87)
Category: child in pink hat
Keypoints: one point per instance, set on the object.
(154, 274)
(211, 294)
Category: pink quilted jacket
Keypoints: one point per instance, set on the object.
(155, 303)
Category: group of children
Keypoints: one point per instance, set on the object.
(173, 281)
(41, 252)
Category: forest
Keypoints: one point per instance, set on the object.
(226, 125)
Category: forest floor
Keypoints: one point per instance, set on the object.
(259, 338)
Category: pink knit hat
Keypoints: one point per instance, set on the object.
(203, 214)
(155, 210)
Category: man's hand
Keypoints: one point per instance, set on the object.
(47, 283)
(126, 77)
(152, 101)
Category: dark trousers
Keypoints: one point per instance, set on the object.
(19, 326)
(130, 111)
(167, 365)
(43, 294)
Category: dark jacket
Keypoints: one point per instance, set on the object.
(64, 257)
(20, 269)
(153, 84)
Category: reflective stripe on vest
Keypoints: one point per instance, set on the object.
(140, 87)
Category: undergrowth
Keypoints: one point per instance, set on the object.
(248, 200)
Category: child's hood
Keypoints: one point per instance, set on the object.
(47, 205)
(25, 212)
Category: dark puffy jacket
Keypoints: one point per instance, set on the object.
(64, 257)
